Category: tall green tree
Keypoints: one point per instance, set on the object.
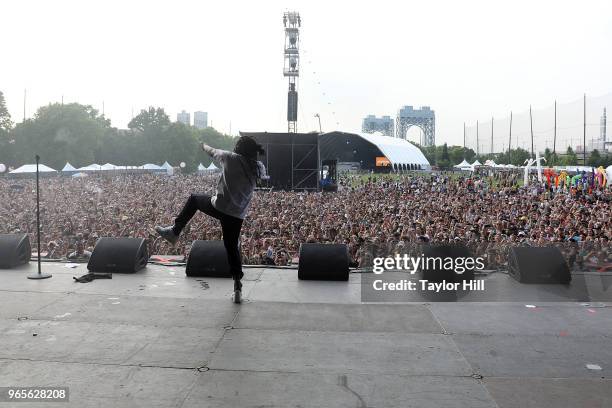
(570, 158)
(442, 157)
(6, 124)
(150, 118)
(594, 159)
(60, 133)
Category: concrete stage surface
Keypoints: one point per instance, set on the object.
(160, 339)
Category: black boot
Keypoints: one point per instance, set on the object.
(168, 234)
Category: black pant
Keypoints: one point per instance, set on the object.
(230, 227)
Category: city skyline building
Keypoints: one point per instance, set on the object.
(200, 119)
(184, 117)
(384, 125)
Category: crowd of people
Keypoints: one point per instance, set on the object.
(375, 215)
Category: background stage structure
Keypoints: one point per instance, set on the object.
(373, 152)
(292, 159)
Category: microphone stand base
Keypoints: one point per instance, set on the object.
(39, 276)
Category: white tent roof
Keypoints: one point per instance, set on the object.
(91, 167)
(150, 166)
(166, 165)
(397, 150)
(109, 166)
(31, 168)
(464, 163)
(477, 163)
(490, 163)
(68, 167)
(212, 167)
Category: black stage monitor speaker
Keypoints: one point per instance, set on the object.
(538, 265)
(323, 262)
(436, 259)
(208, 259)
(119, 255)
(15, 250)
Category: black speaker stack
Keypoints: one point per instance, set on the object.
(538, 265)
(327, 262)
(15, 250)
(119, 255)
(208, 259)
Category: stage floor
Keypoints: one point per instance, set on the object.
(160, 339)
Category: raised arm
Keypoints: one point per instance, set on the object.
(208, 149)
(263, 174)
(216, 154)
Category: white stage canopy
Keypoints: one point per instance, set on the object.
(397, 150)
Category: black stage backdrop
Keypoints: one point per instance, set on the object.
(292, 159)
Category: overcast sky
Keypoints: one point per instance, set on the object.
(466, 59)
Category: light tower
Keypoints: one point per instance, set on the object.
(291, 69)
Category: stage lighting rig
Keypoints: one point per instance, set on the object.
(291, 69)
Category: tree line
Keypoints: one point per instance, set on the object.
(79, 134)
(445, 157)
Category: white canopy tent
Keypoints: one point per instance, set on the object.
(476, 163)
(31, 168)
(212, 167)
(169, 169)
(150, 166)
(109, 166)
(463, 164)
(91, 167)
(68, 168)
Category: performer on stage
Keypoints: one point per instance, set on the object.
(240, 172)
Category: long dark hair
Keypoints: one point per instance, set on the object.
(248, 148)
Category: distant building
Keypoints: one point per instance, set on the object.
(604, 125)
(373, 124)
(184, 117)
(424, 118)
(200, 119)
(602, 144)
